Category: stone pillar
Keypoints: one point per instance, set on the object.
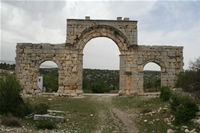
(140, 82)
(79, 90)
(122, 77)
(164, 79)
(128, 84)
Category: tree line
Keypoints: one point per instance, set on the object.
(94, 80)
(6, 66)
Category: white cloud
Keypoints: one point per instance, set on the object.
(17, 20)
(173, 23)
(159, 23)
(27, 22)
(188, 38)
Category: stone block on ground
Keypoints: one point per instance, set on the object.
(38, 117)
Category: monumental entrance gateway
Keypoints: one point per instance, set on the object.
(69, 57)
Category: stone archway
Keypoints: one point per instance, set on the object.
(48, 76)
(157, 62)
(69, 56)
(100, 31)
(40, 62)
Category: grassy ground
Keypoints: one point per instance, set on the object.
(80, 113)
(108, 114)
(144, 106)
(153, 113)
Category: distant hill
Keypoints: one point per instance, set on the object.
(110, 77)
(151, 75)
(152, 81)
(45, 71)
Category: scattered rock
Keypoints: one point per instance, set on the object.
(196, 121)
(184, 127)
(169, 123)
(55, 111)
(170, 131)
(167, 120)
(165, 108)
(159, 110)
(157, 119)
(193, 131)
(187, 131)
(91, 115)
(198, 113)
(151, 122)
(176, 127)
(145, 121)
(153, 112)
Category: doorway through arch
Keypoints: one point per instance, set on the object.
(151, 77)
(101, 66)
(48, 77)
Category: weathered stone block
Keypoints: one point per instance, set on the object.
(38, 117)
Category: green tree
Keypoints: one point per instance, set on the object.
(50, 82)
(189, 80)
(100, 87)
(165, 93)
(183, 108)
(10, 99)
(86, 86)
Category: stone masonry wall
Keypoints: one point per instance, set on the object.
(76, 27)
(31, 56)
(169, 58)
(69, 57)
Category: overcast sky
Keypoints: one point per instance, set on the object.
(175, 23)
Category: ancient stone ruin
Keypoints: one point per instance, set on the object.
(69, 57)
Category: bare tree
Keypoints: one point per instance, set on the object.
(195, 65)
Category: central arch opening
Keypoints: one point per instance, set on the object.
(101, 66)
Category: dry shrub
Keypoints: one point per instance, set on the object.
(11, 122)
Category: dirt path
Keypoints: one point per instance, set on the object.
(113, 119)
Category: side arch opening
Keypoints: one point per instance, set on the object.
(151, 77)
(48, 77)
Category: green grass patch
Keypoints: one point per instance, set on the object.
(80, 113)
(45, 125)
(138, 102)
